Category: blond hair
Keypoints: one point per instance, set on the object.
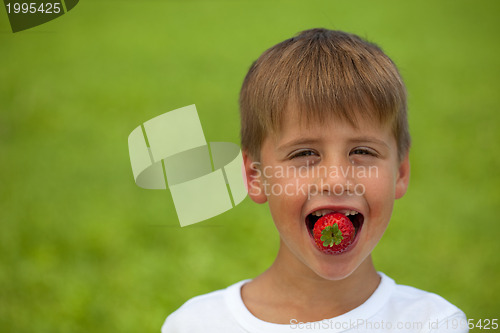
(325, 74)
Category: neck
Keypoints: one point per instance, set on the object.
(290, 283)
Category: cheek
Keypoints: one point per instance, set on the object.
(285, 200)
(281, 187)
(380, 193)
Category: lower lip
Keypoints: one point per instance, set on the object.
(348, 249)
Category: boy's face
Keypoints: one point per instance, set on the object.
(330, 166)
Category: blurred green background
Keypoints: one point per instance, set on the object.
(83, 249)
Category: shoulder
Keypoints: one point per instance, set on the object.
(412, 299)
(409, 305)
(204, 313)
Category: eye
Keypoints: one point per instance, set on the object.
(363, 151)
(302, 153)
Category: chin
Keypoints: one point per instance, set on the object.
(334, 272)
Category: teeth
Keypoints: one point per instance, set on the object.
(351, 212)
(323, 212)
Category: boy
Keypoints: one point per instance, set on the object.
(325, 140)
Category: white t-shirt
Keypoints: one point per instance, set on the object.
(391, 308)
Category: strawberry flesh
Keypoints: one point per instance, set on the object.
(333, 233)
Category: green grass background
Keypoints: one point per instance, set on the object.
(83, 249)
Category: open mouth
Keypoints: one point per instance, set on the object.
(354, 216)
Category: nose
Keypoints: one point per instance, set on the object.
(336, 176)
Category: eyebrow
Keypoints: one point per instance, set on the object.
(369, 139)
(297, 142)
(302, 141)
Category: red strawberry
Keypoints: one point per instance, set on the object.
(333, 233)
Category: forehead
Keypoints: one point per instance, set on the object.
(297, 124)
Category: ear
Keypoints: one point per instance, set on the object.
(403, 177)
(253, 179)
